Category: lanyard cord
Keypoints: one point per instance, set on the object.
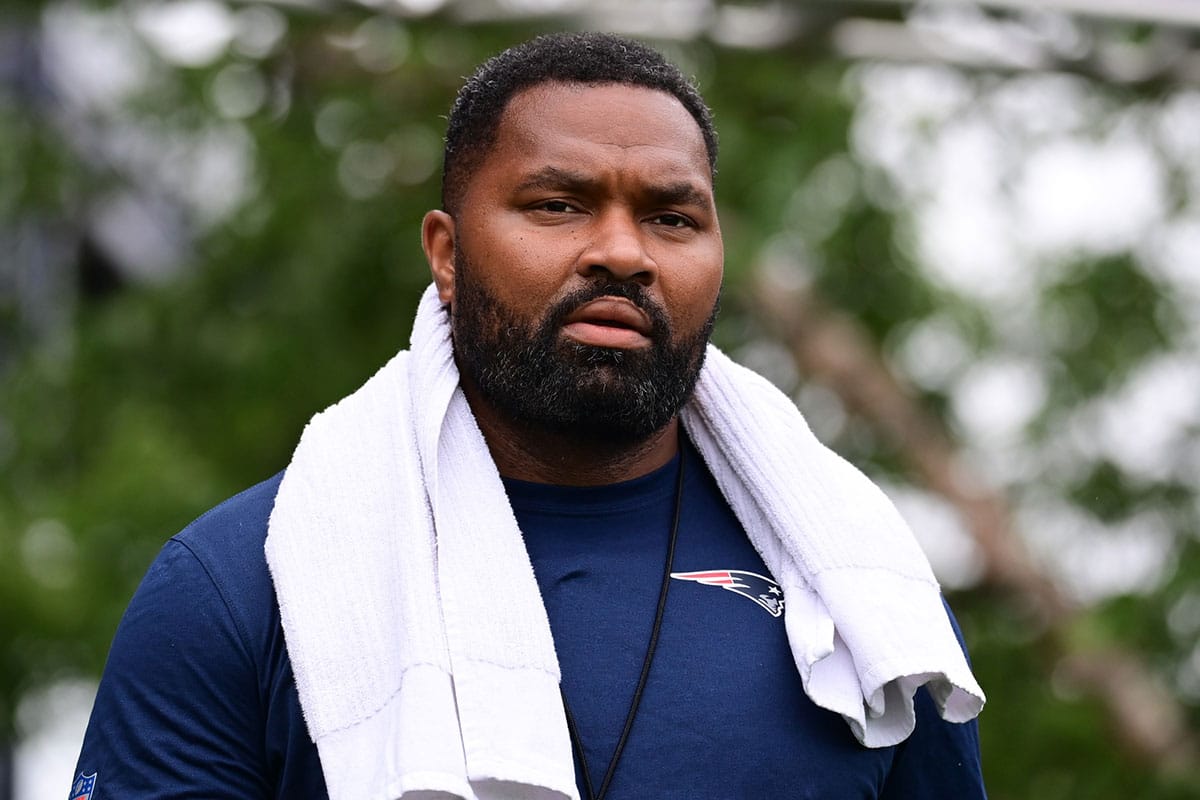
(576, 741)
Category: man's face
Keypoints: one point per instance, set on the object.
(587, 262)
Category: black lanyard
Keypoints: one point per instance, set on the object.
(576, 742)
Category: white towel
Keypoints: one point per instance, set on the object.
(419, 642)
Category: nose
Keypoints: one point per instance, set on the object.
(618, 249)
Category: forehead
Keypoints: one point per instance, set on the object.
(607, 126)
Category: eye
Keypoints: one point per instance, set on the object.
(672, 220)
(555, 206)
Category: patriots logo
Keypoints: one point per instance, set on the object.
(758, 588)
(83, 787)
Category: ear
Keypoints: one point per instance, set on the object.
(437, 238)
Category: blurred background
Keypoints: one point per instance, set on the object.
(964, 236)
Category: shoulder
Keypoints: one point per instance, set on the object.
(225, 547)
(940, 758)
(234, 529)
(208, 594)
(212, 576)
(227, 544)
(197, 695)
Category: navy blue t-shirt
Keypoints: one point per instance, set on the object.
(723, 714)
(198, 699)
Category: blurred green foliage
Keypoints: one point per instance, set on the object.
(161, 397)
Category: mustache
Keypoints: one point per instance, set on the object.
(660, 325)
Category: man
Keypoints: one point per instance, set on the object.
(558, 548)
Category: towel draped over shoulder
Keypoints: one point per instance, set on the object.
(419, 641)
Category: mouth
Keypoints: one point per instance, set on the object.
(612, 322)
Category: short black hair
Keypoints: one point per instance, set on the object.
(587, 58)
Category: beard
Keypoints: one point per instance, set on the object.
(542, 381)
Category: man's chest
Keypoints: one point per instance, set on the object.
(723, 713)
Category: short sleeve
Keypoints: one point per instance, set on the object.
(940, 759)
(178, 712)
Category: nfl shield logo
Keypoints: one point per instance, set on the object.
(83, 787)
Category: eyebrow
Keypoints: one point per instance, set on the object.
(559, 179)
(556, 178)
(679, 193)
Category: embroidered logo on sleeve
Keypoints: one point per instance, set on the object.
(83, 787)
(758, 588)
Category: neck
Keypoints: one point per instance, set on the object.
(559, 458)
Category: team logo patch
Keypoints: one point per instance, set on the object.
(758, 588)
(83, 787)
